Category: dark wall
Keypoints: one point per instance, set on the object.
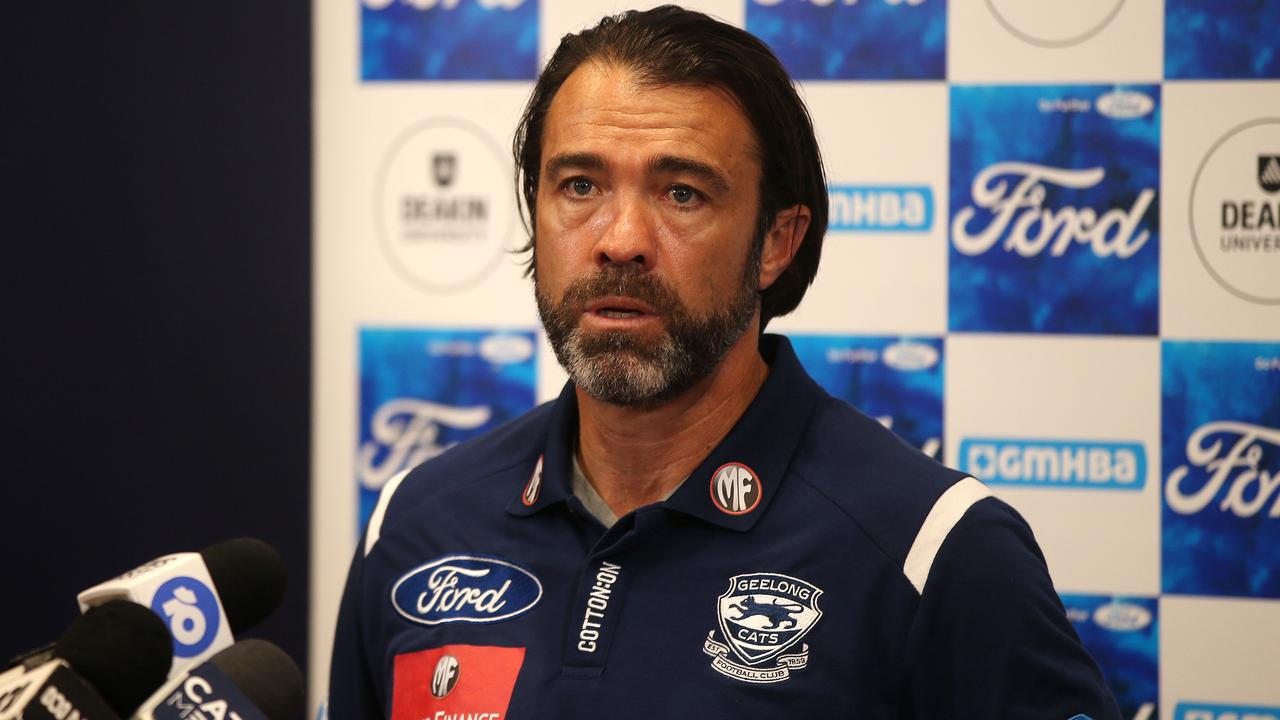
(156, 226)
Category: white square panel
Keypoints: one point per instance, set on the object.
(1219, 652)
(1027, 394)
(1220, 257)
(881, 271)
(992, 41)
(370, 266)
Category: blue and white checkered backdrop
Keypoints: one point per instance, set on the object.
(1053, 262)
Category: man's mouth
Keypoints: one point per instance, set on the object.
(619, 308)
(619, 313)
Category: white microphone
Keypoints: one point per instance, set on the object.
(204, 598)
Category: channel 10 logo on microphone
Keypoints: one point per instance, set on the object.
(1220, 438)
(190, 609)
(1055, 218)
(448, 39)
(852, 40)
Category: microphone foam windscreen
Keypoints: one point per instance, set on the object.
(267, 676)
(250, 578)
(120, 648)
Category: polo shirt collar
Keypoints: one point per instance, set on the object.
(551, 481)
(736, 482)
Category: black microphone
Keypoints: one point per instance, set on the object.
(252, 679)
(105, 664)
(205, 598)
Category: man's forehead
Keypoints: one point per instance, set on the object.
(602, 104)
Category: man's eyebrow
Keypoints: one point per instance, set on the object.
(573, 161)
(709, 174)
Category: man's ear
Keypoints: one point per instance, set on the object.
(782, 242)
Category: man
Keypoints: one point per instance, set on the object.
(693, 528)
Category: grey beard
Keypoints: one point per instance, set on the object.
(621, 369)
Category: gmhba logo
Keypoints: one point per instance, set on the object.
(1055, 463)
(880, 208)
(1218, 711)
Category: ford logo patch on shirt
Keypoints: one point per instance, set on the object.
(465, 588)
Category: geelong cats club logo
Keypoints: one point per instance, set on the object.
(762, 618)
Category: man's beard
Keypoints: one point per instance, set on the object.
(624, 368)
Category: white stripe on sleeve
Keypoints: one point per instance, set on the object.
(946, 512)
(380, 510)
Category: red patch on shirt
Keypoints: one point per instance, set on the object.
(455, 682)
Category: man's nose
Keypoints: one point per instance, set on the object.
(629, 237)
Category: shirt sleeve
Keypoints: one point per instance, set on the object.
(352, 693)
(990, 638)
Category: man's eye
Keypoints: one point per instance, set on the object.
(581, 187)
(683, 194)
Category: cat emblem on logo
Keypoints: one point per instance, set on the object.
(762, 617)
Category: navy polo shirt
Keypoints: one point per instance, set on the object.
(813, 565)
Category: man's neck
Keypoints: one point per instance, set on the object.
(635, 457)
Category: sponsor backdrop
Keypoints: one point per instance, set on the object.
(1053, 261)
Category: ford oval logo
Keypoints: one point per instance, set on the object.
(910, 356)
(1125, 104)
(1122, 616)
(465, 588)
(506, 349)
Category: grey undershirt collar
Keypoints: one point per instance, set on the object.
(591, 500)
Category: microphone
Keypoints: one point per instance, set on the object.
(105, 664)
(251, 680)
(204, 598)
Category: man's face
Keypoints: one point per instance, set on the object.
(646, 268)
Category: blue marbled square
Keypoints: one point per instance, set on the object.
(1221, 39)
(1220, 447)
(1123, 635)
(425, 390)
(1054, 209)
(867, 40)
(898, 381)
(451, 40)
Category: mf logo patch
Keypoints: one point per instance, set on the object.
(735, 489)
(445, 677)
(762, 617)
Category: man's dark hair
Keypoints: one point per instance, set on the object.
(673, 46)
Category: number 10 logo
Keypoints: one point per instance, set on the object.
(190, 609)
